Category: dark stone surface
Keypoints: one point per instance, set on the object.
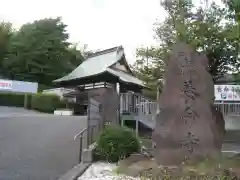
(110, 103)
(187, 125)
(220, 122)
(108, 99)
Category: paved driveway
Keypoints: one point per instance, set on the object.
(232, 122)
(36, 146)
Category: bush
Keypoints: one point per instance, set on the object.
(47, 102)
(115, 143)
(13, 99)
(40, 102)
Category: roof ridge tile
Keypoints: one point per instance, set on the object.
(105, 51)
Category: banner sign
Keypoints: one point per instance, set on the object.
(18, 86)
(5, 84)
(227, 92)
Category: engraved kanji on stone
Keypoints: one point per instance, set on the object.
(189, 142)
(179, 71)
(189, 112)
(187, 72)
(184, 59)
(189, 90)
(190, 72)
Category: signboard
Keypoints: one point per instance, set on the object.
(18, 86)
(5, 84)
(227, 92)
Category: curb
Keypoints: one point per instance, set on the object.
(75, 172)
(232, 141)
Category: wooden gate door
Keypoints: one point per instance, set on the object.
(95, 123)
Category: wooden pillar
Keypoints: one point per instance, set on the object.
(80, 98)
(26, 101)
(137, 123)
(119, 101)
(88, 121)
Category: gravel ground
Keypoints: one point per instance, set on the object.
(103, 171)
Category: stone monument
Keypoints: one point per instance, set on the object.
(187, 125)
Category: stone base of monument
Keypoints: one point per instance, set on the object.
(138, 165)
(87, 154)
(176, 156)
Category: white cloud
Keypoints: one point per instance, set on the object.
(98, 23)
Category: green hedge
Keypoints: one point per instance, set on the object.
(47, 102)
(13, 99)
(40, 102)
(115, 143)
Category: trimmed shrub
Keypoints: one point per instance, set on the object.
(13, 99)
(116, 143)
(40, 102)
(47, 102)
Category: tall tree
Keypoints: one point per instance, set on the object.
(201, 27)
(76, 56)
(40, 52)
(5, 35)
(234, 8)
(234, 15)
(146, 69)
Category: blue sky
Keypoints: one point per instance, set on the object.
(98, 23)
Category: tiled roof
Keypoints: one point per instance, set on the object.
(100, 62)
(95, 64)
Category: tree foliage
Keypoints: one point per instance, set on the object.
(207, 29)
(234, 8)
(5, 35)
(234, 15)
(40, 51)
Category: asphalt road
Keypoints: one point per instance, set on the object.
(36, 146)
